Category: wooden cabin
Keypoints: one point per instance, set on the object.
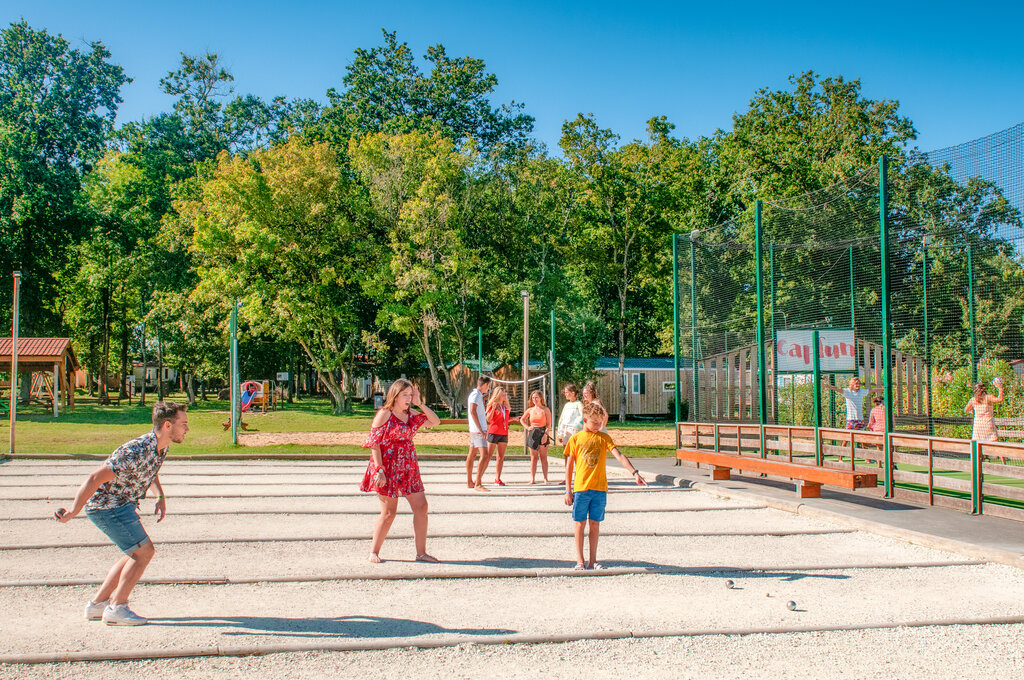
(649, 385)
(50, 362)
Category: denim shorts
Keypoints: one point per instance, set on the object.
(121, 525)
(589, 505)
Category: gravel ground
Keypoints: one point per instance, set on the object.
(201, 616)
(931, 653)
(841, 578)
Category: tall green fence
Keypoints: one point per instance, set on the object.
(955, 284)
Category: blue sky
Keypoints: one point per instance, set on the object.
(956, 68)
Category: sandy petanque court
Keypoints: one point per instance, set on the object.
(261, 569)
(460, 440)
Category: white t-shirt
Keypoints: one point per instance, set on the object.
(571, 420)
(476, 401)
(855, 403)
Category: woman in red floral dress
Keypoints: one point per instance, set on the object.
(393, 471)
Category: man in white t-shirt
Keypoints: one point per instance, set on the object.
(477, 416)
(854, 396)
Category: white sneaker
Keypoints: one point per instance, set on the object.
(120, 615)
(94, 610)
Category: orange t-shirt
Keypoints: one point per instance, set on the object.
(589, 451)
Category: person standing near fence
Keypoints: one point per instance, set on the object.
(854, 395)
(984, 429)
(111, 498)
(393, 470)
(570, 421)
(477, 417)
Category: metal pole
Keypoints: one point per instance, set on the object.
(526, 356)
(853, 314)
(695, 407)
(927, 346)
(970, 298)
(883, 222)
(554, 388)
(235, 396)
(762, 362)
(14, 357)
(775, 353)
(675, 333)
(480, 350)
(816, 367)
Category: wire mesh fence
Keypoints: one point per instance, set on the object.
(955, 282)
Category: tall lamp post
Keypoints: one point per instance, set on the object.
(14, 357)
(526, 354)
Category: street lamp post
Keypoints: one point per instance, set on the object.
(526, 353)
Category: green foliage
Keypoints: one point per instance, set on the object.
(951, 390)
(386, 92)
(57, 107)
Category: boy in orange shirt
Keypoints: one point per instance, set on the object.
(586, 453)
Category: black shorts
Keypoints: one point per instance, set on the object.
(537, 438)
(497, 438)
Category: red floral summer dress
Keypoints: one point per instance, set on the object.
(399, 456)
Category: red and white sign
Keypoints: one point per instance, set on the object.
(836, 351)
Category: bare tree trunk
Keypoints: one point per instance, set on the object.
(125, 367)
(443, 391)
(190, 389)
(105, 358)
(622, 356)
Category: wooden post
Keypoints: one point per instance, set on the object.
(56, 390)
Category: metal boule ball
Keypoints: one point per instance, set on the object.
(729, 584)
(791, 605)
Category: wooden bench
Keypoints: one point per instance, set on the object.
(810, 477)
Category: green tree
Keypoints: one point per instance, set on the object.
(385, 91)
(423, 204)
(57, 108)
(624, 206)
(281, 231)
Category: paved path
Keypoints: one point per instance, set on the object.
(264, 557)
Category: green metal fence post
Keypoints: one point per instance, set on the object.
(554, 387)
(480, 349)
(816, 367)
(970, 306)
(675, 334)
(775, 352)
(976, 499)
(927, 345)
(883, 222)
(762, 363)
(695, 406)
(853, 294)
(235, 386)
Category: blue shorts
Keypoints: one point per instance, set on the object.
(121, 525)
(589, 505)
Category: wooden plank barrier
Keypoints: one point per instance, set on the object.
(936, 464)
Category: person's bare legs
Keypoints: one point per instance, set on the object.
(418, 503)
(110, 582)
(485, 459)
(501, 460)
(595, 533)
(470, 459)
(543, 451)
(388, 508)
(578, 530)
(132, 571)
(533, 466)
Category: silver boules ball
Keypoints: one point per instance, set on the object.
(729, 584)
(791, 605)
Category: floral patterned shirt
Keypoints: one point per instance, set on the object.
(135, 465)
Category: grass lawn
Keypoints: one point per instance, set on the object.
(95, 429)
